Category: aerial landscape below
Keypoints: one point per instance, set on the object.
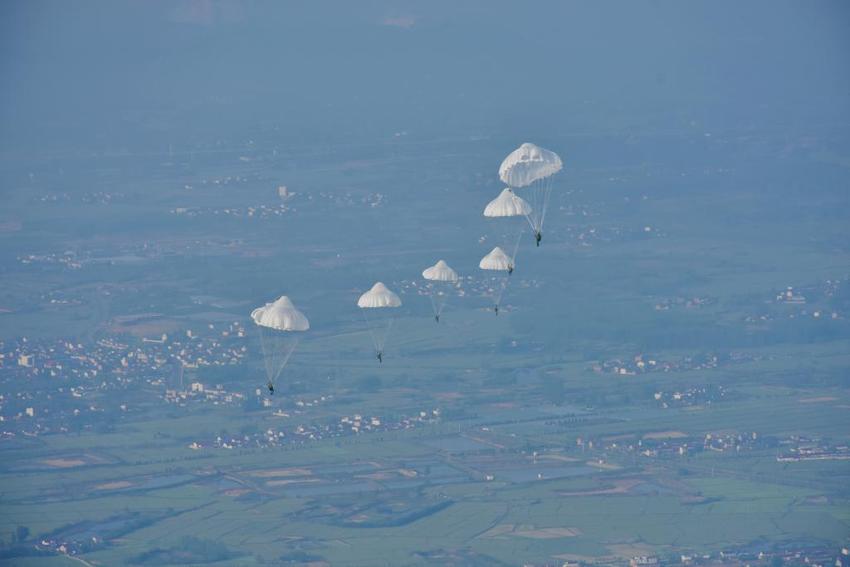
(407, 283)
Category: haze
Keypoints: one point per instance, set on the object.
(662, 381)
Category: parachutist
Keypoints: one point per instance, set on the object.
(280, 324)
(441, 279)
(379, 297)
(496, 309)
(538, 237)
(510, 270)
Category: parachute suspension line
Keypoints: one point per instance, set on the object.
(500, 289)
(379, 335)
(433, 301)
(547, 191)
(437, 300)
(533, 197)
(538, 205)
(286, 351)
(383, 339)
(530, 218)
(506, 278)
(433, 297)
(538, 197)
(442, 298)
(276, 352)
(516, 246)
(439, 294)
(267, 355)
(371, 331)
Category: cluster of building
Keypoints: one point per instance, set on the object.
(672, 444)
(686, 302)
(478, 285)
(690, 396)
(196, 391)
(725, 442)
(305, 432)
(813, 449)
(677, 444)
(266, 211)
(816, 295)
(60, 412)
(640, 364)
(126, 254)
(68, 547)
(799, 296)
(349, 198)
(226, 180)
(96, 197)
(60, 385)
(586, 236)
(68, 259)
(809, 302)
(795, 297)
(255, 212)
(812, 556)
(791, 297)
(63, 359)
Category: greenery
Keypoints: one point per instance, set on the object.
(190, 550)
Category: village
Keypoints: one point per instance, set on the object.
(57, 386)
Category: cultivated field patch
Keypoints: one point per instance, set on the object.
(275, 473)
(665, 435)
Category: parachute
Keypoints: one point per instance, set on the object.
(280, 325)
(441, 278)
(507, 204)
(530, 168)
(379, 297)
(497, 260)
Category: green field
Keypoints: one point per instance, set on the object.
(500, 478)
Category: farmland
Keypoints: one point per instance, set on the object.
(642, 392)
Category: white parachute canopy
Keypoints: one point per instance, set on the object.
(527, 164)
(379, 296)
(281, 316)
(441, 278)
(440, 272)
(280, 325)
(507, 204)
(496, 260)
(530, 169)
(380, 324)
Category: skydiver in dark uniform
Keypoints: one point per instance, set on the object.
(538, 236)
(437, 318)
(496, 309)
(380, 357)
(510, 269)
(270, 386)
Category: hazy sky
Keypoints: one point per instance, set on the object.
(130, 72)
